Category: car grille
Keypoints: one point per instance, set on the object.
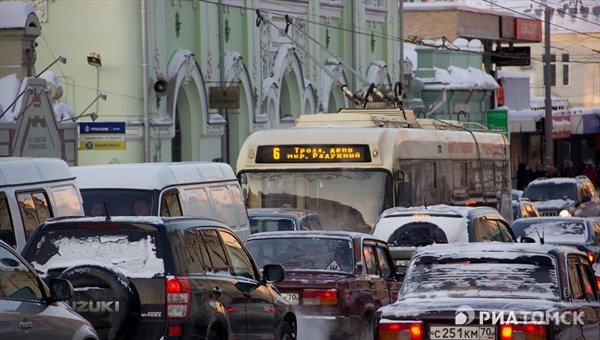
(549, 213)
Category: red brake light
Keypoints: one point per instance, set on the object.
(393, 330)
(523, 331)
(598, 282)
(591, 257)
(178, 296)
(319, 297)
(471, 203)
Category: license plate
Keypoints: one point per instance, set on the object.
(402, 263)
(292, 298)
(483, 332)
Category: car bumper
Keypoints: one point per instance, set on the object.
(335, 326)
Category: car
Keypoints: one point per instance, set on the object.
(564, 196)
(579, 232)
(30, 309)
(494, 291)
(407, 229)
(336, 280)
(523, 208)
(282, 219)
(516, 194)
(150, 277)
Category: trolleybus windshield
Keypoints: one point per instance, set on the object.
(346, 199)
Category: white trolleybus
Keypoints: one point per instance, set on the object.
(352, 165)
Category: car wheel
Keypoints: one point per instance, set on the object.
(367, 328)
(287, 332)
(212, 335)
(105, 298)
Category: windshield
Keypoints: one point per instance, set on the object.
(345, 199)
(304, 253)
(551, 191)
(557, 232)
(118, 202)
(261, 224)
(527, 277)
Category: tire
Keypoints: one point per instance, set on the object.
(367, 328)
(212, 335)
(287, 332)
(105, 298)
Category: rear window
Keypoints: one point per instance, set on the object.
(262, 224)
(328, 254)
(134, 251)
(118, 202)
(557, 232)
(417, 234)
(527, 277)
(551, 191)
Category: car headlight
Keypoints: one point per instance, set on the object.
(564, 213)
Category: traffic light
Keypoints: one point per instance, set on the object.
(540, 125)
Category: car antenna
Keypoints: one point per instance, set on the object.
(541, 236)
(106, 211)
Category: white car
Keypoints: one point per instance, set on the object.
(406, 229)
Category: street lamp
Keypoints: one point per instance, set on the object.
(93, 115)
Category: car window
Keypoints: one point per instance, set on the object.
(240, 262)
(596, 232)
(314, 223)
(135, 252)
(384, 262)
(369, 256)
(475, 275)
(550, 190)
(216, 252)
(587, 280)
(194, 246)
(224, 207)
(198, 202)
(34, 210)
(574, 280)
(483, 232)
(66, 199)
(7, 231)
(416, 234)
(299, 253)
(17, 282)
(170, 204)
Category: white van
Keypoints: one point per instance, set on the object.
(31, 191)
(164, 189)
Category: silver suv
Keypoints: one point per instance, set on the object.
(564, 196)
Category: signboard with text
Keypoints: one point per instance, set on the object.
(497, 120)
(102, 136)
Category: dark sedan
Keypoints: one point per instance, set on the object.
(336, 280)
(282, 219)
(495, 291)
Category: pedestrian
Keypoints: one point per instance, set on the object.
(590, 172)
(552, 172)
(539, 171)
(569, 170)
(523, 176)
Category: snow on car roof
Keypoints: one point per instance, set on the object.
(484, 249)
(553, 230)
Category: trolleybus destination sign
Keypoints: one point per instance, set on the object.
(324, 153)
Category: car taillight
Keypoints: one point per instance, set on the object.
(400, 330)
(591, 257)
(523, 332)
(178, 297)
(319, 297)
(598, 282)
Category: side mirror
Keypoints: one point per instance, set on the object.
(358, 268)
(60, 289)
(274, 272)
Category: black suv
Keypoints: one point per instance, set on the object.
(162, 278)
(564, 196)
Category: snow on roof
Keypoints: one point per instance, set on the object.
(14, 14)
(9, 89)
(456, 78)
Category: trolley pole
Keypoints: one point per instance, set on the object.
(548, 88)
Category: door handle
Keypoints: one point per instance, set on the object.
(217, 291)
(25, 324)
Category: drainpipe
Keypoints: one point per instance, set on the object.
(146, 119)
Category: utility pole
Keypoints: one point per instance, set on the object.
(223, 112)
(548, 87)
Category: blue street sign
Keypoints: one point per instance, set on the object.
(101, 127)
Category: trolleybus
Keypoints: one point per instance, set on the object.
(352, 165)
